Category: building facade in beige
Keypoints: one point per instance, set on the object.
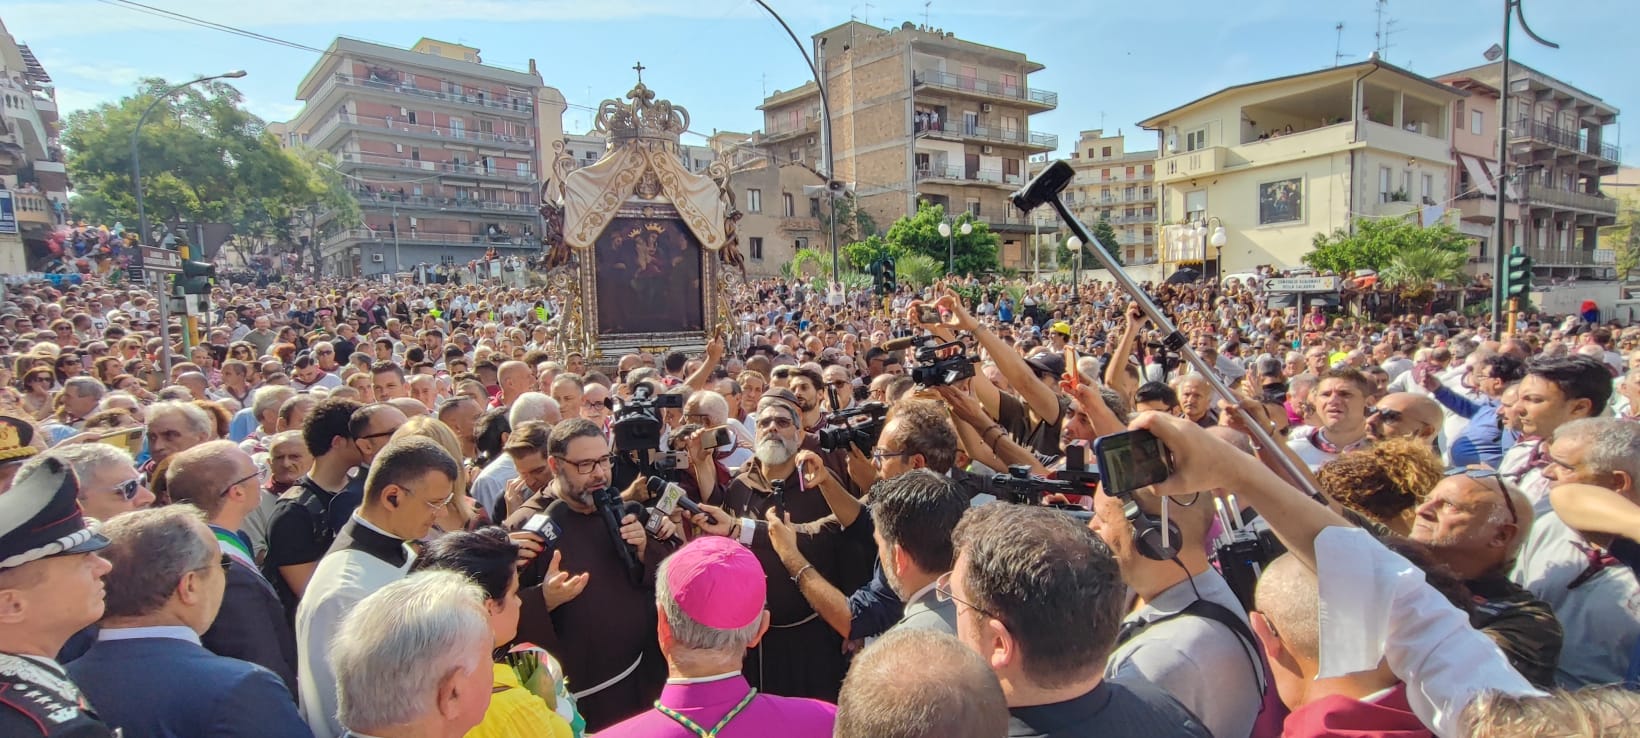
(31, 161)
(1557, 156)
(779, 215)
(445, 154)
(1117, 186)
(919, 115)
(1278, 161)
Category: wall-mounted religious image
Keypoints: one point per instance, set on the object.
(1281, 201)
(649, 277)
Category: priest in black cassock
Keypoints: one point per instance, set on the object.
(604, 634)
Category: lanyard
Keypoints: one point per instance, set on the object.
(721, 724)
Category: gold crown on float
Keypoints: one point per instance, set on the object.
(643, 118)
(650, 227)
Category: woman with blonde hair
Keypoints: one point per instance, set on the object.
(1385, 482)
(457, 515)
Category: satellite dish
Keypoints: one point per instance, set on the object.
(1495, 53)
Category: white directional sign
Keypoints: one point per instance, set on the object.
(1301, 284)
(161, 260)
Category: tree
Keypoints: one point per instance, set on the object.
(1106, 236)
(861, 254)
(918, 270)
(1624, 237)
(1416, 273)
(1376, 241)
(975, 252)
(854, 224)
(205, 159)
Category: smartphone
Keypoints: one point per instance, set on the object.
(928, 314)
(1132, 460)
(716, 437)
(1070, 366)
(127, 439)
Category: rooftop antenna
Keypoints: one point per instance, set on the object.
(1338, 46)
(926, 4)
(1385, 28)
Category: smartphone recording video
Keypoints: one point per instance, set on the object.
(928, 314)
(1132, 460)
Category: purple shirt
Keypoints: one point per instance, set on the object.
(707, 702)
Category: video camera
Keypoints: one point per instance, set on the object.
(932, 370)
(860, 425)
(637, 432)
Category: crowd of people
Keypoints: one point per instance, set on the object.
(406, 511)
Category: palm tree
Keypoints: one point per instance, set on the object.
(918, 270)
(1416, 273)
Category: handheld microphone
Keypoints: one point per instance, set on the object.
(669, 497)
(536, 571)
(608, 503)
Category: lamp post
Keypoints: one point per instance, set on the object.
(1218, 239)
(142, 213)
(1500, 251)
(1075, 245)
(951, 241)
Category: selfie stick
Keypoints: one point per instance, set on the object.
(1045, 189)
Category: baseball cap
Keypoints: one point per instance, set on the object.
(1050, 364)
(717, 583)
(1060, 327)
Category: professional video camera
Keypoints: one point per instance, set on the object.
(933, 370)
(1243, 549)
(860, 425)
(637, 434)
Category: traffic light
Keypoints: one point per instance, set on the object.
(1517, 276)
(876, 269)
(891, 284)
(197, 277)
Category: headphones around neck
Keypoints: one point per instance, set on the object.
(1147, 532)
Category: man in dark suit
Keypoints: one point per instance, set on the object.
(223, 482)
(148, 673)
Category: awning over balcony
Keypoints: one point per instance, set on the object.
(1478, 175)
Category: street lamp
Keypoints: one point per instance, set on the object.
(142, 214)
(951, 241)
(1075, 245)
(1218, 240)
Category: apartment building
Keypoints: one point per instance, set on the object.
(919, 115)
(1117, 186)
(1277, 161)
(778, 217)
(31, 162)
(1557, 157)
(588, 148)
(444, 153)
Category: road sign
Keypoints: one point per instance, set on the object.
(156, 259)
(1301, 284)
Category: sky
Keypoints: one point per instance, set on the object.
(1113, 64)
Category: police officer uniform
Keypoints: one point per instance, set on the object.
(40, 517)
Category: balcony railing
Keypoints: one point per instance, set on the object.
(1131, 219)
(385, 235)
(946, 80)
(989, 176)
(793, 225)
(1576, 140)
(1552, 256)
(404, 128)
(392, 162)
(1095, 202)
(33, 209)
(523, 107)
(1577, 200)
(418, 202)
(984, 133)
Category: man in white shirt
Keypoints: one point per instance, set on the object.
(410, 484)
(1340, 400)
(1555, 392)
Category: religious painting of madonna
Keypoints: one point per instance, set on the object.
(649, 277)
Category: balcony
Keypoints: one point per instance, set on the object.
(427, 239)
(1105, 202)
(958, 132)
(377, 161)
(809, 125)
(1139, 219)
(1561, 199)
(1190, 164)
(962, 176)
(799, 225)
(1578, 141)
(987, 89)
(343, 123)
(1011, 221)
(1554, 257)
(33, 211)
(379, 201)
(393, 90)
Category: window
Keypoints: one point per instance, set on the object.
(796, 155)
(523, 169)
(1477, 121)
(814, 207)
(970, 124)
(411, 116)
(973, 208)
(1090, 153)
(754, 201)
(1406, 182)
(1427, 188)
(800, 244)
(1104, 174)
(754, 246)
(1195, 205)
(1129, 173)
(1105, 152)
(1196, 139)
(458, 128)
(788, 204)
(1384, 179)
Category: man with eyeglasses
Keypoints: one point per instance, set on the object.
(224, 483)
(1474, 524)
(598, 622)
(164, 590)
(411, 481)
(838, 379)
(1405, 415)
(1581, 571)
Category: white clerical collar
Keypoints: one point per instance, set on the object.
(357, 518)
(704, 679)
(175, 632)
(919, 594)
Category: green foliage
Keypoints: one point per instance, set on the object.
(975, 253)
(918, 270)
(861, 254)
(1376, 242)
(1624, 237)
(809, 262)
(205, 159)
(854, 224)
(1416, 272)
(1106, 235)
